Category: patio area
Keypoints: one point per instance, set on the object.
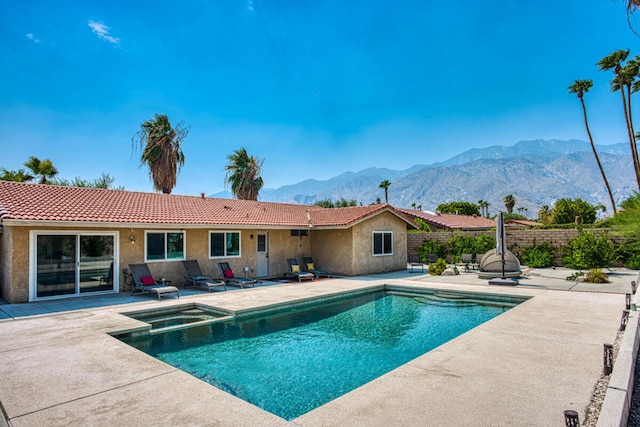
(525, 367)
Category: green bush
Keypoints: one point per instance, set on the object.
(629, 253)
(430, 246)
(538, 256)
(484, 243)
(588, 251)
(437, 267)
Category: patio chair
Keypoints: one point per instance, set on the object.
(478, 260)
(295, 271)
(414, 262)
(467, 259)
(308, 262)
(229, 278)
(431, 258)
(108, 278)
(143, 282)
(195, 277)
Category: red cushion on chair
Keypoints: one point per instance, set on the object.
(228, 274)
(147, 281)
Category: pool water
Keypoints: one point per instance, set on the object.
(289, 363)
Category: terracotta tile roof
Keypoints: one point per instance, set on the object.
(36, 202)
(521, 222)
(454, 222)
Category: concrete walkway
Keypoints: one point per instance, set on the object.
(523, 368)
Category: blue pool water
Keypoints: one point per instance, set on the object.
(289, 363)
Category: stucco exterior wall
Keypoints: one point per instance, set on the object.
(364, 262)
(332, 251)
(5, 263)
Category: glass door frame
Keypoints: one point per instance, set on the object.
(33, 262)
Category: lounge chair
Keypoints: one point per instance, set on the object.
(229, 278)
(478, 260)
(296, 271)
(308, 262)
(431, 258)
(143, 282)
(195, 277)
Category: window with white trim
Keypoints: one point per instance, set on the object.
(224, 244)
(164, 246)
(382, 243)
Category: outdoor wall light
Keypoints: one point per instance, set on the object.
(251, 237)
(132, 238)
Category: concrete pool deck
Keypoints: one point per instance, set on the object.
(60, 366)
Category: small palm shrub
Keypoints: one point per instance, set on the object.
(437, 267)
(588, 251)
(538, 256)
(595, 275)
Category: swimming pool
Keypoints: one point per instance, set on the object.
(293, 360)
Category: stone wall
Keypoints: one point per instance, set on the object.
(516, 238)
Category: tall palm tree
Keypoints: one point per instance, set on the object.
(159, 143)
(385, 185)
(580, 87)
(632, 6)
(243, 173)
(43, 170)
(509, 203)
(623, 79)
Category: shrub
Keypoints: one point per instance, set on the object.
(430, 246)
(437, 267)
(538, 256)
(588, 251)
(595, 275)
(629, 252)
(485, 242)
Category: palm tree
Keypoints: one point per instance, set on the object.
(622, 80)
(545, 214)
(243, 173)
(385, 185)
(484, 208)
(580, 87)
(159, 143)
(509, 203)
(17, 176)
(632, 6)
(43, 169)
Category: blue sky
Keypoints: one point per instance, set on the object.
(315, 88)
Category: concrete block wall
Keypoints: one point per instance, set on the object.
(516, 238)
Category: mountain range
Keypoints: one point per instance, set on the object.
(535, 172)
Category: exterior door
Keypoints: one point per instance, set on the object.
(262, 255)
(72, 263)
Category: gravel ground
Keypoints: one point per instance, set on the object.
(634, 411)
(600, 389)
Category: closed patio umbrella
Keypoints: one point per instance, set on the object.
(501, 249)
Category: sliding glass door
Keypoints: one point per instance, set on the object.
(73, 263)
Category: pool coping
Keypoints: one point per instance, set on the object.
(86, 327)
(617, 402)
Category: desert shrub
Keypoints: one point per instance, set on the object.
(430, 246)
(629, 253)
(538, 256)
(437, 267)
(485, 242)
(595, 275)
(588, 251)
(460, 244)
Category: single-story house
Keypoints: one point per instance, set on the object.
(64, 241)
(449, 222)
(520, 223)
